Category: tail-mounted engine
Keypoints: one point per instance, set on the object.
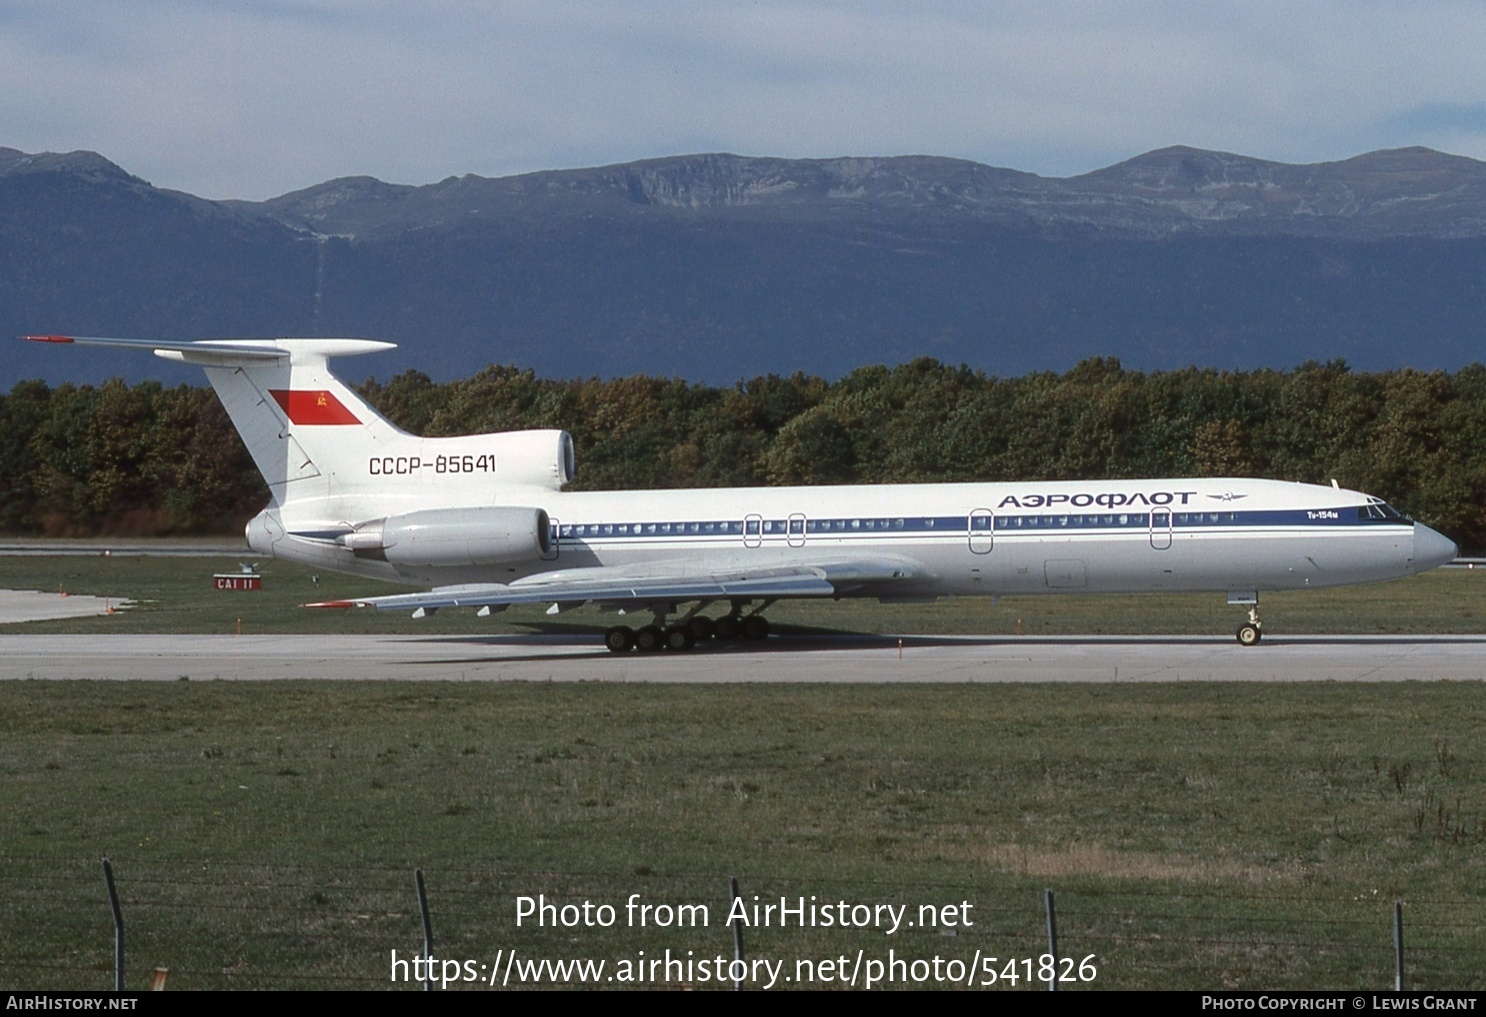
(495, 535)
(536, 458)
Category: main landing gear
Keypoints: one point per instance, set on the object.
(686, 633)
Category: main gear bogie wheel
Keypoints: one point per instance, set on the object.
(649, 639)
(679, 637)
(754, 627)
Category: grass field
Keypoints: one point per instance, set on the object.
(1214, 836)
(1221, 836)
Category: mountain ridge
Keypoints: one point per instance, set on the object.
(1182, 188)
(720, 266)
(1179, 188)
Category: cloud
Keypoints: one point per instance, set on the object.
(1455, 116)
(256, 98)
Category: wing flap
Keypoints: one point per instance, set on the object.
(492, 594)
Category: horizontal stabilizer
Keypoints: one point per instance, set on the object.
(220, 352)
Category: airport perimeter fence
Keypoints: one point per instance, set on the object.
(215, 925)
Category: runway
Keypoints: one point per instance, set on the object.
(836, 659)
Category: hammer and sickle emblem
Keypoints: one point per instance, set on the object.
(320, 400)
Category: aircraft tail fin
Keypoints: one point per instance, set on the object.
(333, 463)
(297, 419)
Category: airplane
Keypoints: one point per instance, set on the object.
(485, 521)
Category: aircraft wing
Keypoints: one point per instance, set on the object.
(657, 583)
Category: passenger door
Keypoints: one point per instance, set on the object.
(982, 530)
(1161, 529)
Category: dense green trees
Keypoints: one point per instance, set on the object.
(120, 460)
(146, 459)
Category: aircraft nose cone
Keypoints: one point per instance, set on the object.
(1432, 549)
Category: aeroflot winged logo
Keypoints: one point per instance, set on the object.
(312, 406)
(1106, 499)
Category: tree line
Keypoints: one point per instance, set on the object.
(151, 460)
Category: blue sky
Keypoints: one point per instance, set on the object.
(255, 98)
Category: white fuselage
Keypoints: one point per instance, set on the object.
(959, 539)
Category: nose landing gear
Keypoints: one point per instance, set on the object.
(1250, 631)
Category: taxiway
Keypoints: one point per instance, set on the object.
(838, 659)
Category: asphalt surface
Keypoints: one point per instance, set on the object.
(31, 605)
(840, 659)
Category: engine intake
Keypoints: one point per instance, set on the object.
(538, 458)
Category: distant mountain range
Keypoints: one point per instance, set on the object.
(720, 267)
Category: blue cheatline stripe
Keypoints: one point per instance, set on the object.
(961, 526)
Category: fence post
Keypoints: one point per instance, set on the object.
(427, 930)
(737, 934)
(1052, 940)
(1398, 946)
(113, 902)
